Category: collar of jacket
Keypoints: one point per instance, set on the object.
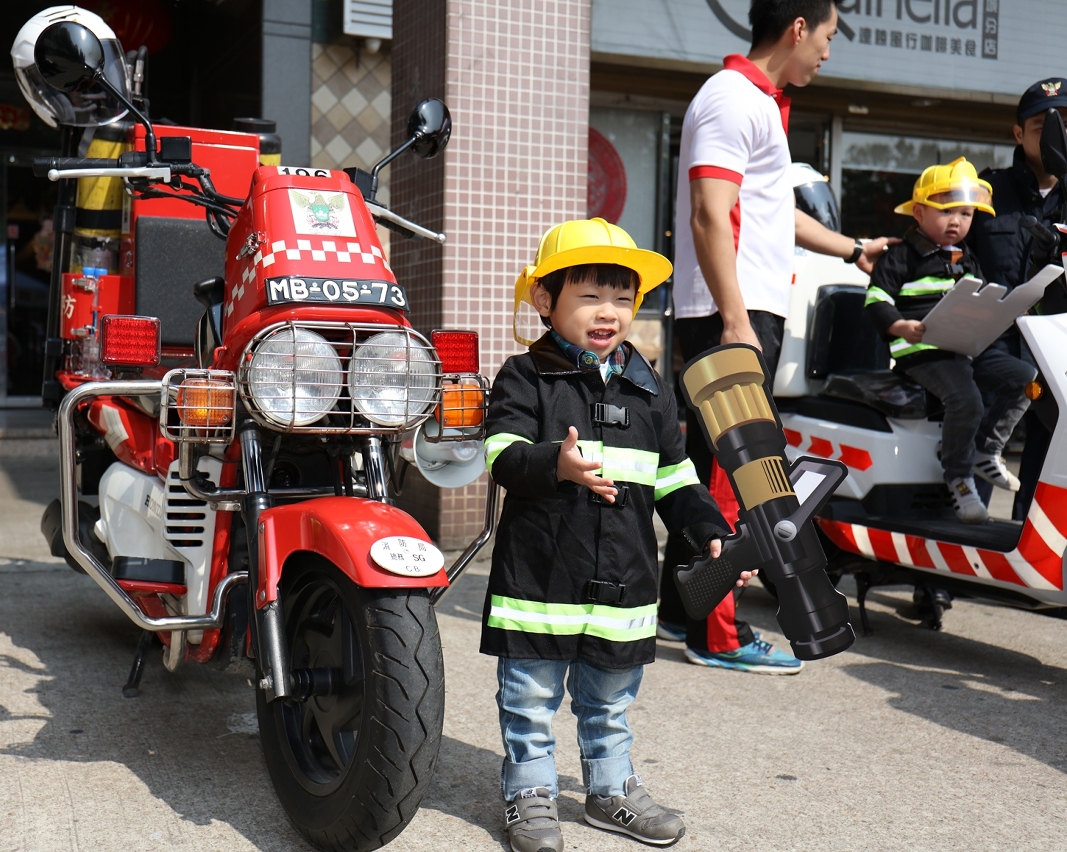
(920, 242)
(550, 361)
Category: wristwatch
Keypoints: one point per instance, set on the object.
(856, 252)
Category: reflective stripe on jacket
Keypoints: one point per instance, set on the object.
(555, 539)
(907, 282)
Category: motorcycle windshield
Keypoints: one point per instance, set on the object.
(92, 108)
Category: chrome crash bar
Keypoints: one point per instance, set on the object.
(458, 567)
(69, 500)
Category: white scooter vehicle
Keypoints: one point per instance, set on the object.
(892, 521)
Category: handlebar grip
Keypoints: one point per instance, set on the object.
(43, 165)
(1046, 238)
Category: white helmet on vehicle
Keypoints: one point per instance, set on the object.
(90, 108)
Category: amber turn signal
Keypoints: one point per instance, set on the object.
(1033, 391)
(205, 403)
(462, 405)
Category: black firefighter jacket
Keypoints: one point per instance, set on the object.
(572, 577)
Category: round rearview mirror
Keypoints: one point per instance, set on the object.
(430, 126)
(68, 56)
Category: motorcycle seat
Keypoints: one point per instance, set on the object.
(886, 391)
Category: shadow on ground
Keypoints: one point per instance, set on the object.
(959, 682)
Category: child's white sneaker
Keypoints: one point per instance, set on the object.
(991, 468)
(966, 502)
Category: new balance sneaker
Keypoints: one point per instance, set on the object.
(758, 656)
(670, 631)
(991, 468)
(965, 500)
(634, 814)
(532, 822)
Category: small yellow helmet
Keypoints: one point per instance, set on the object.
(582, 241)
(955, 184)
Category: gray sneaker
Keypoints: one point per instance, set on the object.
(634, 814)
(533, 822)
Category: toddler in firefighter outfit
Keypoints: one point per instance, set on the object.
(584, 436)
(905, 285)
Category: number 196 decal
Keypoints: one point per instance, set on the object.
(338, 292)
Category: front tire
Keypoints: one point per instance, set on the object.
(351, 766)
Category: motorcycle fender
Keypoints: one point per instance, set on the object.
(342, 530)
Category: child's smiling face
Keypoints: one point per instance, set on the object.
(594, 316)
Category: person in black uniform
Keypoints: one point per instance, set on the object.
(1004, 249)
(584, 437)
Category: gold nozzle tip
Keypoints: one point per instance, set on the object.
(734, 365)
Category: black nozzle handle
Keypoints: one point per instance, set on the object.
(1048, 240)
(43, 165)
(704, 582)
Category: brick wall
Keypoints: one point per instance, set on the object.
(515, 75)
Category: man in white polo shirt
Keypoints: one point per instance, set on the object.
(735, 226)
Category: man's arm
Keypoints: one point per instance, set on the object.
(814, 236)
(711, 201)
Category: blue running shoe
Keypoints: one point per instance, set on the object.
(670, 631)
(759, 656)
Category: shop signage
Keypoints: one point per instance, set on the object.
(988, 46)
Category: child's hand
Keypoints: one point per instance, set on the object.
(715, 550)
(911, 330)
(571, 467)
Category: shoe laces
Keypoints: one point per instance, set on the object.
(762, 645)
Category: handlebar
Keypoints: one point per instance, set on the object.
(1046, 240)
(43, 165)
(397, 222)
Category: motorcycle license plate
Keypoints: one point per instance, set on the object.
(336, 292)
(406, 556)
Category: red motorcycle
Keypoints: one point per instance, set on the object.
(245, 473)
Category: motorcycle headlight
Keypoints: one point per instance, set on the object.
(393, 379)
(295, 377)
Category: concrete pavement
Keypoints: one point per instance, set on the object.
(911, 740)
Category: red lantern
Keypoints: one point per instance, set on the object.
(607, 179)
(136, 22)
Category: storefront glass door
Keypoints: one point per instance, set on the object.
(878, 172)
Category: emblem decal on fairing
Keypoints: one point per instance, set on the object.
(321, 213)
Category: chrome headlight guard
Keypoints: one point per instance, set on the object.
(407, 377)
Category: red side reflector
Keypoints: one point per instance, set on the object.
(127, 341)
(458, 350)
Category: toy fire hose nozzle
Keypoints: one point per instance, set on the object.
(727, 386)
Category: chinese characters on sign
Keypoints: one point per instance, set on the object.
(978, 33)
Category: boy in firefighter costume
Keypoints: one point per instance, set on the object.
(584, 436)
(905, 285)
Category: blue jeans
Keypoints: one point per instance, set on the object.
(531, 692)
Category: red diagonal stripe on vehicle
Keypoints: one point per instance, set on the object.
(999, 567)
(920, 556)
(882, 544)
(954, 556)
(839, 533)
(1033, 549)
(1053, 502)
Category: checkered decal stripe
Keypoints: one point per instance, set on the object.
(332, 250)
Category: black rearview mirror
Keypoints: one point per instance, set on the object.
(430, 126)
(69, 56)
(1054, 145)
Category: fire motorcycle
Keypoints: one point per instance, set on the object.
(891, 520)
(239, 386)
